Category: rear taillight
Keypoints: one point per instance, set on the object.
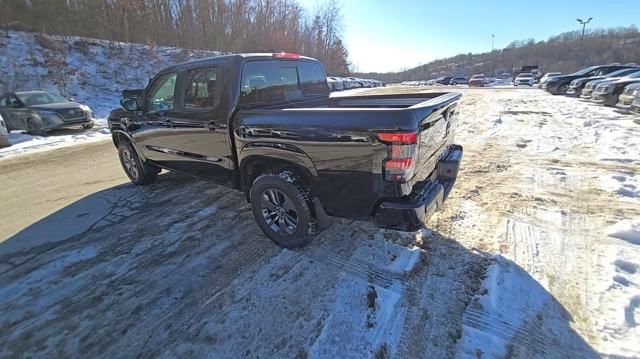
(400, 165)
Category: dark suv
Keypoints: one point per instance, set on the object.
(559, 85)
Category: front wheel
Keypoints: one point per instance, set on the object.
(283, 209)
(138, 171)
(562, 89)
(34, 127)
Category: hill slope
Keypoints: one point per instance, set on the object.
(89, 70)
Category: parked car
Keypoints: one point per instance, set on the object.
(4, 134)
(546, 77)
(444, 80)
(577, 86)
(335, 83)
(347, 83)
(635, 104)
(269, 129)
(477, 80)
(591, 86)
(459, 81)
(524, 78)
(357, 83)
(607, 92)
(628, 95)
(559, 85)
(39, 111)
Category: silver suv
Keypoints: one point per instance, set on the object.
(39, 111)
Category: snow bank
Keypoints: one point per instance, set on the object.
(23, 143)
(628, 230)
(92, 71)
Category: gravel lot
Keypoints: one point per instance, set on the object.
(531, 257)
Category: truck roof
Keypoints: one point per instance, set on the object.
(242, 56)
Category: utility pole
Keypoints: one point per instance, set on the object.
(493, 37)
(584, 25)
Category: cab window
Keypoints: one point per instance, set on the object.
(161, 96)
(271, 81)
(200, 88)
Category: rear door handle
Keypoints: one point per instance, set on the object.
(167, 123)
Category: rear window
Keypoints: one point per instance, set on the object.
(200, 88)
(274, 81)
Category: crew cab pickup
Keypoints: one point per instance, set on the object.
(265, 124)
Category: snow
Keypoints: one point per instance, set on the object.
(627, 230)
(535, 254)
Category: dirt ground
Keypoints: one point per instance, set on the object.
(91, 265)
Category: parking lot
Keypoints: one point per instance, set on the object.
(531, 256)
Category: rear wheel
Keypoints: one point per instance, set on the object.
(137, 170)
(283, 209)
(88, 125)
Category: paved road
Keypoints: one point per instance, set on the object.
(36, 185)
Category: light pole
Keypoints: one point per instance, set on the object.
(493, 37)
(584, 25)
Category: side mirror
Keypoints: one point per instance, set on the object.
(72, 99)
(129, 104)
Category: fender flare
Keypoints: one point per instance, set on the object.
(277, 151)
(118, 132)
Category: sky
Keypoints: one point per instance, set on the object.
(390, 35)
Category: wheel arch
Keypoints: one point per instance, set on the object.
(118, 136)
(256, 160)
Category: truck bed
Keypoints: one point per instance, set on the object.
(337, 138)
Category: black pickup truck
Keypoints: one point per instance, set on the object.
(265, 124)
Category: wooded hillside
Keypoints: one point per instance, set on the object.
(559, 53)
(220, 25)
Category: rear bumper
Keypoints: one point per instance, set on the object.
(412, 212)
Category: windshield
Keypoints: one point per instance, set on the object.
(621, 73)
(477, 77)
(584, 71)
(40, 98)
(634, 75)
(525, 75)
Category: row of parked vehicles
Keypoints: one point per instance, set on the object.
(610, 85)
(475, 80)
(346, 83)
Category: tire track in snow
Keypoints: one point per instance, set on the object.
(352, 266)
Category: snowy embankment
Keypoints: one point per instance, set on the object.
(93, 72)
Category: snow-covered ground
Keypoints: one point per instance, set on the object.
(93, 72)
(535, 254)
